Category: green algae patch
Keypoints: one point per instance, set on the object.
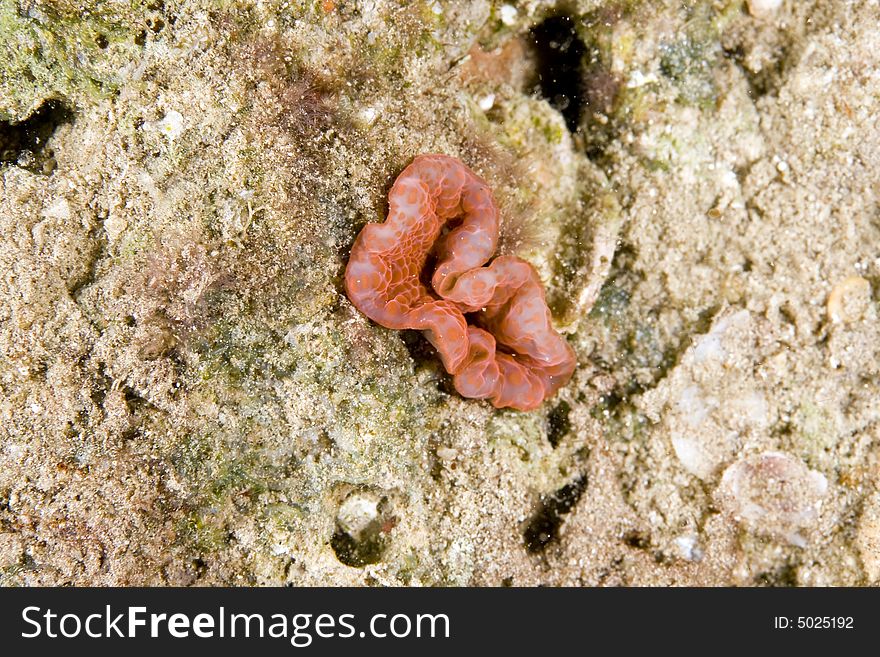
(62, 50)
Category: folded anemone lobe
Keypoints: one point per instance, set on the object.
(510, 352)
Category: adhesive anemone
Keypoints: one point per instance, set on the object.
(489, 323)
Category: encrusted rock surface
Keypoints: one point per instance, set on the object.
(187, 396)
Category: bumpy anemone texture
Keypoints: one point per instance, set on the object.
(439, 209)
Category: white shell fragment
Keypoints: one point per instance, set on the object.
(508, 14)
(763, 7)
(848, 300)
(171, 125)
(357, 512)
(773, 493)
(712, 404)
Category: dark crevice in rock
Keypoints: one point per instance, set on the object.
(558, 423)
(637, 540)
(765, 82)
(24, 143)
(359, 546)
(785, 576)
(543, 528)
(560, 53)
(354, 553)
